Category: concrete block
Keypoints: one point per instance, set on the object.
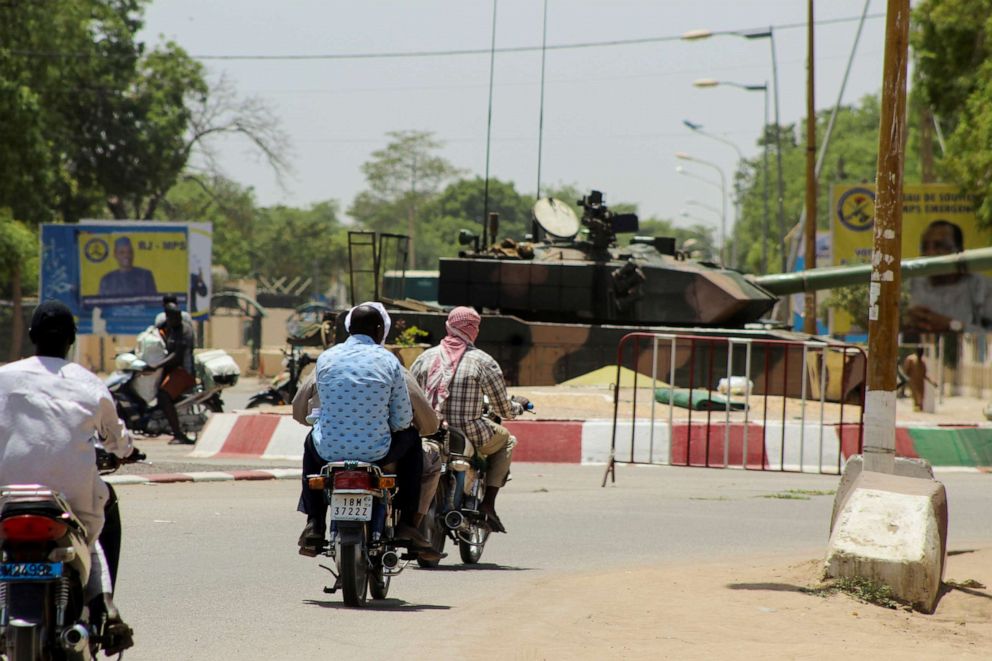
(893, 530)
(905, 466)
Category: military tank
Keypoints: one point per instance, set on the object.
(578, 274)
(556, 304)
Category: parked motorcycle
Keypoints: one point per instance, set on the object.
(43, 574)
(283, 387)
(454, 513)
(363, 519)
(135, 390)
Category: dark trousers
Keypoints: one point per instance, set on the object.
(405, 450)
(110, 536)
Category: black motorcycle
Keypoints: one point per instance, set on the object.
(363, 519)
(43, 574)
(284, 387)
(454, 513)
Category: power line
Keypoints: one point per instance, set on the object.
(457, 52)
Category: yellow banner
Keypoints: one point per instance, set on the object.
(853, 218)
(132, 264)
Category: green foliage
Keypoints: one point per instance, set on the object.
(249, 240)
(854, 301)
(402, 178)
(953, 73)
(301, 242)
(18, 252)
(91, 122)
(408, 336)
(231, 209)
(851, 157)
(863, 589)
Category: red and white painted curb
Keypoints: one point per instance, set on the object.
(206, 476)
(809, 447)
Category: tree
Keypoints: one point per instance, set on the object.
(851, 157)
(18, 264)
(460, 206)
(953, 73)
(95, 125)
(301, 242)
(402, 178)
(228, 206)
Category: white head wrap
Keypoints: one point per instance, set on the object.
(386, 322)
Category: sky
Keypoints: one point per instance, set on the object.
(613, 116)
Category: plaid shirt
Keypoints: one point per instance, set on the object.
(477, 375)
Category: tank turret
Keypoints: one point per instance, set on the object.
(578, 273)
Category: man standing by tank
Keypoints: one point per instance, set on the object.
(456, 376)
(954, 302)
(128, 279)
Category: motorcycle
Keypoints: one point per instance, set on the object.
(135, 389)
(43, 574)
(283, 387)
(454, 513)
(363, 519)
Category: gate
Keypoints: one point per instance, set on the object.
(737, 402)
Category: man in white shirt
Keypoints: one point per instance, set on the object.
(52, 414)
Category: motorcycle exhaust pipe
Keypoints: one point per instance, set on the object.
(390, 560)
(455, 521)
(75, 638)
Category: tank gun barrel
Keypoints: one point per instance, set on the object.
(783, 284)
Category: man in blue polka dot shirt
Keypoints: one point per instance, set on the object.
(365, 415)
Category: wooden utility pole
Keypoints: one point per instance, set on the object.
(883, 293)
(809, 312)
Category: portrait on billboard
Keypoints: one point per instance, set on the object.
(952, 302)
(937, 219)
(131, 267)
(113, 275)
(127, 279)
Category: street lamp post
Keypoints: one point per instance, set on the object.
(723, 199)
(695, 35)
(709, 82)
(698, 128)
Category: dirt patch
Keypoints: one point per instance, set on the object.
(750, 610)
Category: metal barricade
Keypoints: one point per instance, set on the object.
(789, 405)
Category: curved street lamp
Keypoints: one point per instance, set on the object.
(723, 198)
(769, 34)
(710, 82)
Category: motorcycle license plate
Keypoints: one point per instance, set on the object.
(345, 507)
(30, 571)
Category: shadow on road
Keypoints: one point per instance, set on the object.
(481, 566)
(387, 605)
(771, 587)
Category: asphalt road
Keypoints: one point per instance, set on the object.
(210, 570)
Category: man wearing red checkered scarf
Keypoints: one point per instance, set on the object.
(456, 375)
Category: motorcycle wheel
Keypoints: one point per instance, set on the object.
(354, 575)
(471, 550)
(433, 529)
(379, 583)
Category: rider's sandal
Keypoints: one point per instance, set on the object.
(493, 523)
